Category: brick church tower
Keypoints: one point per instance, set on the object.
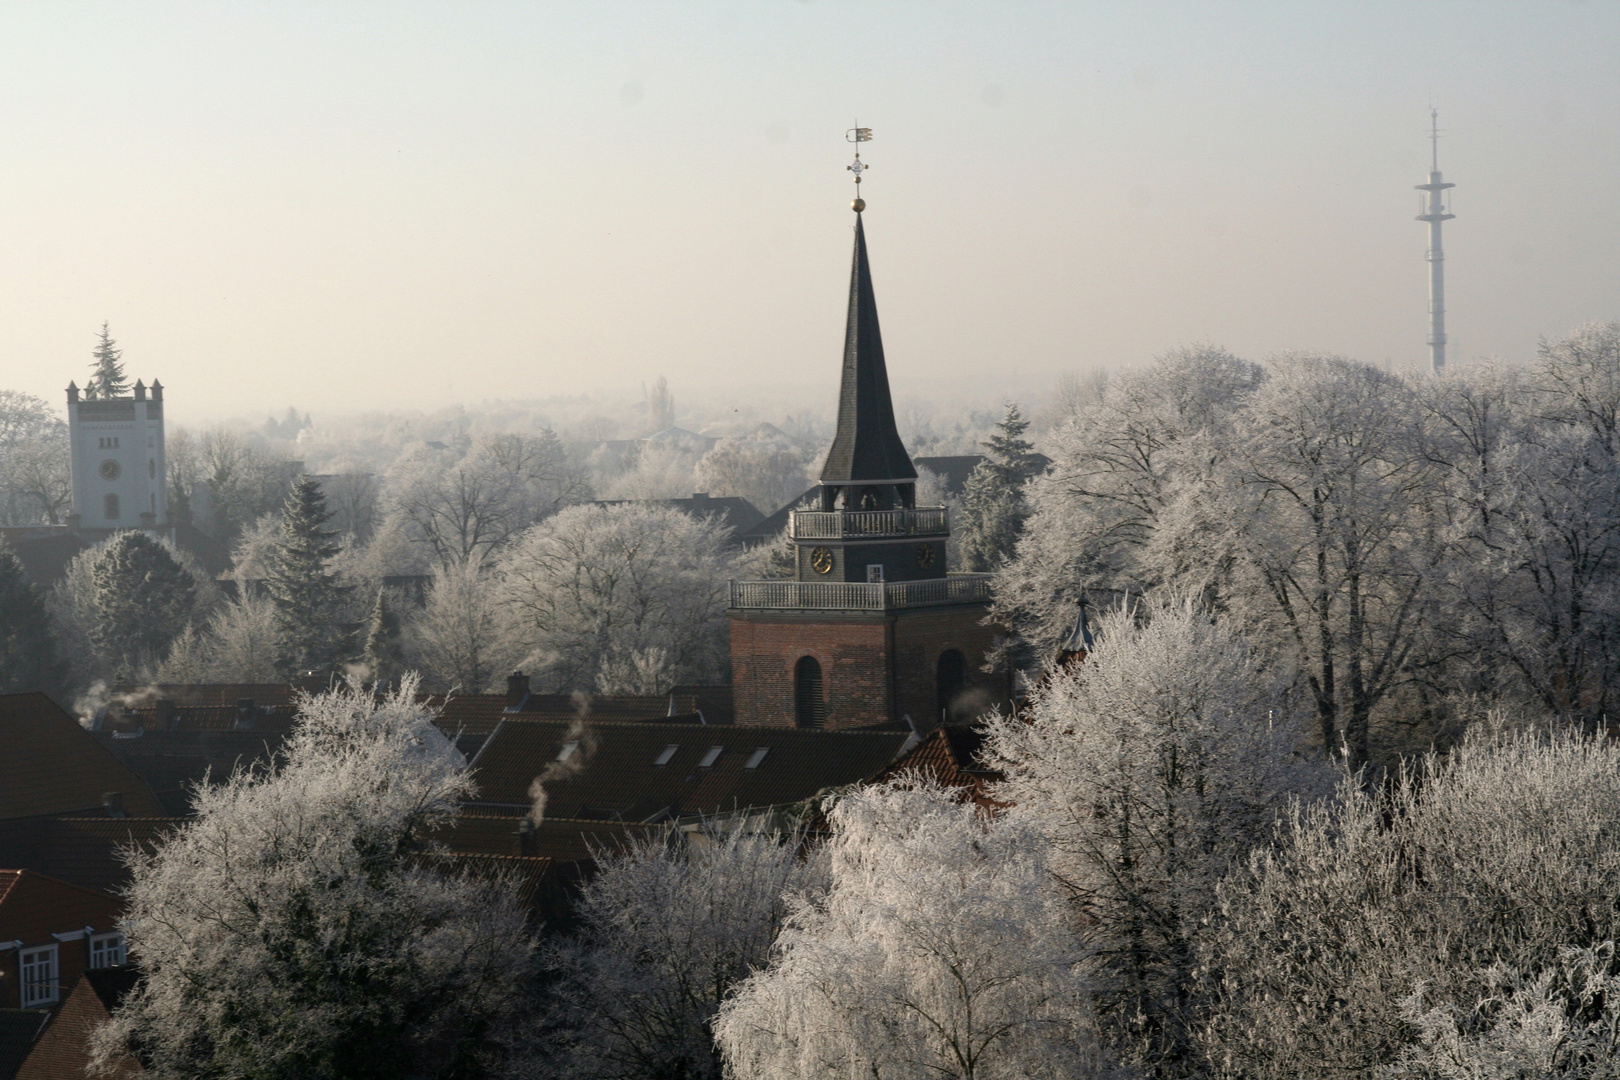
(871, 630)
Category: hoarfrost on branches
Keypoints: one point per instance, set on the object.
(671, 924)
(1466, 881)
(939, 949)
(299, 926)
(1150, 771)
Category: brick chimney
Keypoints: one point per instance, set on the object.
(517, 690)
(524, 838)
(165, 714)
(244, 715)
(113, 803)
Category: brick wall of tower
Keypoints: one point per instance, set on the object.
(876, 668)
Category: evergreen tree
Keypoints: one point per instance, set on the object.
(382, 642)
(28, 658)
(993, 507)
(141, 599)
(107, 377)
(309, 600)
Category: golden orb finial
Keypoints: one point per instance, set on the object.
(858, 205)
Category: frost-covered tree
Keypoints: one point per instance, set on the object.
(769, 473)
(596, 586)
(993, 505)
(142, 598)
(940, 948)
(462, 638)
(1150, 771)
(1115, 467)
(1312, 522)
(28, 659)
(36, 483)
(467, 503)
(310, 600)
(240, 643)
(671, 923)
(1464, 882)
(300, 925)
(245, 479)
(1562, 1024)
(381, 654)
(107, 378)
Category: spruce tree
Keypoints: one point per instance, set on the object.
(143, 598)
(993, 508)
(28, 659)
(382, 642)
(308, 597)
(107, 377)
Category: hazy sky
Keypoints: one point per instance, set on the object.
(348, 205)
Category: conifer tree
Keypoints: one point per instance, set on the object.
(28, 658)
(142, 598)
(993, 508)
(107, 377)
(309, 599)
(382, 642)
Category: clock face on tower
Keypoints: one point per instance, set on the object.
(110, 470)
(925, 556)
(821, 560)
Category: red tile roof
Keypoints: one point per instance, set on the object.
(51, 765)
(34, 906)
(81, 851)
(620, 771)
(64, 1049)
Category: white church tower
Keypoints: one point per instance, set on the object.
(118, 462)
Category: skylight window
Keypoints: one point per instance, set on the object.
(568, 750)
(667, 753)
(711, 756)
(756, 757)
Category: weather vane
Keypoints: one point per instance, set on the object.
(858, 135)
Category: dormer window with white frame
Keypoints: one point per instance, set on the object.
(107, 950)
(37, 972)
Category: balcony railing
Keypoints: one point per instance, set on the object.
(841, 524)
(861, 596)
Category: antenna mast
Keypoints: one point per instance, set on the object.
(1434, 212)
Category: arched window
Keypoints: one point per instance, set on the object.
(110, 504)
(809, 703)
(950, 677)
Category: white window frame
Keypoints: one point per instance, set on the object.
(38, 973)
(110, 948)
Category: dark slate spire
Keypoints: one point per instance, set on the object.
(867, 447)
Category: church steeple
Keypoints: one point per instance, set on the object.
(868, 464)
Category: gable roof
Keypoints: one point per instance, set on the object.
(170, 761)
(51, 765)
(34, 906)
(643, 772)
(64, 1049)
(80, 851)
(18, 1030)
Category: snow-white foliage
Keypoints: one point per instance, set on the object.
(670, 924)
(461, 639)
(768, 472)
(940, 948)
(595, 588)
(1150, 770)
(1562, 1024)
(1466, 881)
(238, 644)
(298, 927)
(1115, 465)
(466, 502)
